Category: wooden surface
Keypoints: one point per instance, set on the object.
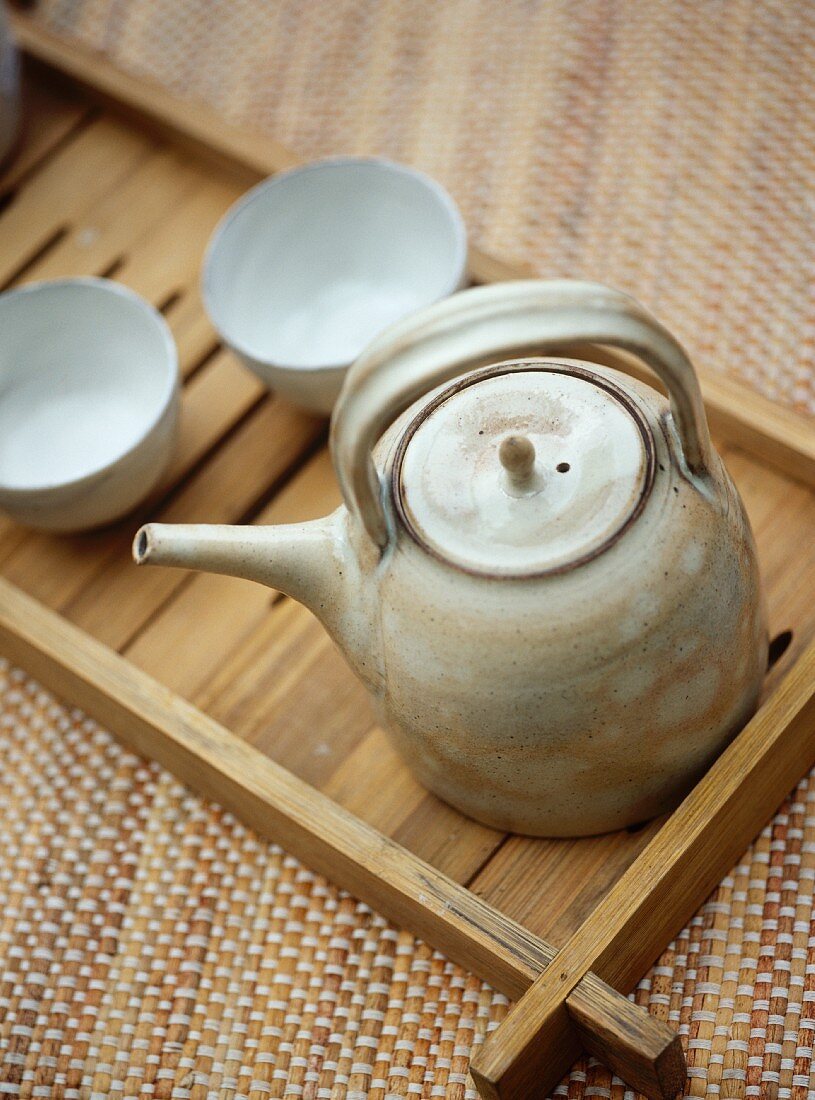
(92, 195)
(697, 846)
(741, 416)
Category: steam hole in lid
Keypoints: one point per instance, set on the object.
(563, 467)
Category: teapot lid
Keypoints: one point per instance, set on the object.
(524, 469)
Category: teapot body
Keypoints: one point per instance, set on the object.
(584, 700)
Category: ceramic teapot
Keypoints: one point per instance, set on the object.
(542, 571)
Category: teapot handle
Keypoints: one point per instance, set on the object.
(477, 327)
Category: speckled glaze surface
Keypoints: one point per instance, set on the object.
(555, 696)
(581, 701)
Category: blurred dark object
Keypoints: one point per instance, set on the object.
(9, 88)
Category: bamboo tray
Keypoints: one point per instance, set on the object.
(91, 194)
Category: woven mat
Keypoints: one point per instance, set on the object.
(661, 146)
(152, 946)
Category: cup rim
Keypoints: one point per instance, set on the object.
(260, 189)
(170, 360)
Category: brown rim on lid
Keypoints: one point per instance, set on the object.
(523, 469)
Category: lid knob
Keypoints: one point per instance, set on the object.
(517, 455)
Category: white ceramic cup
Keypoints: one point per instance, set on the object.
(88, 402)
(310, 265)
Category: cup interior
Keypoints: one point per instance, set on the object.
(86, 370)
(311, 265)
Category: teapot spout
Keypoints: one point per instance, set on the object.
(295, 558)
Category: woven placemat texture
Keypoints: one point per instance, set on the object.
(150, 945)
(661, 146)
